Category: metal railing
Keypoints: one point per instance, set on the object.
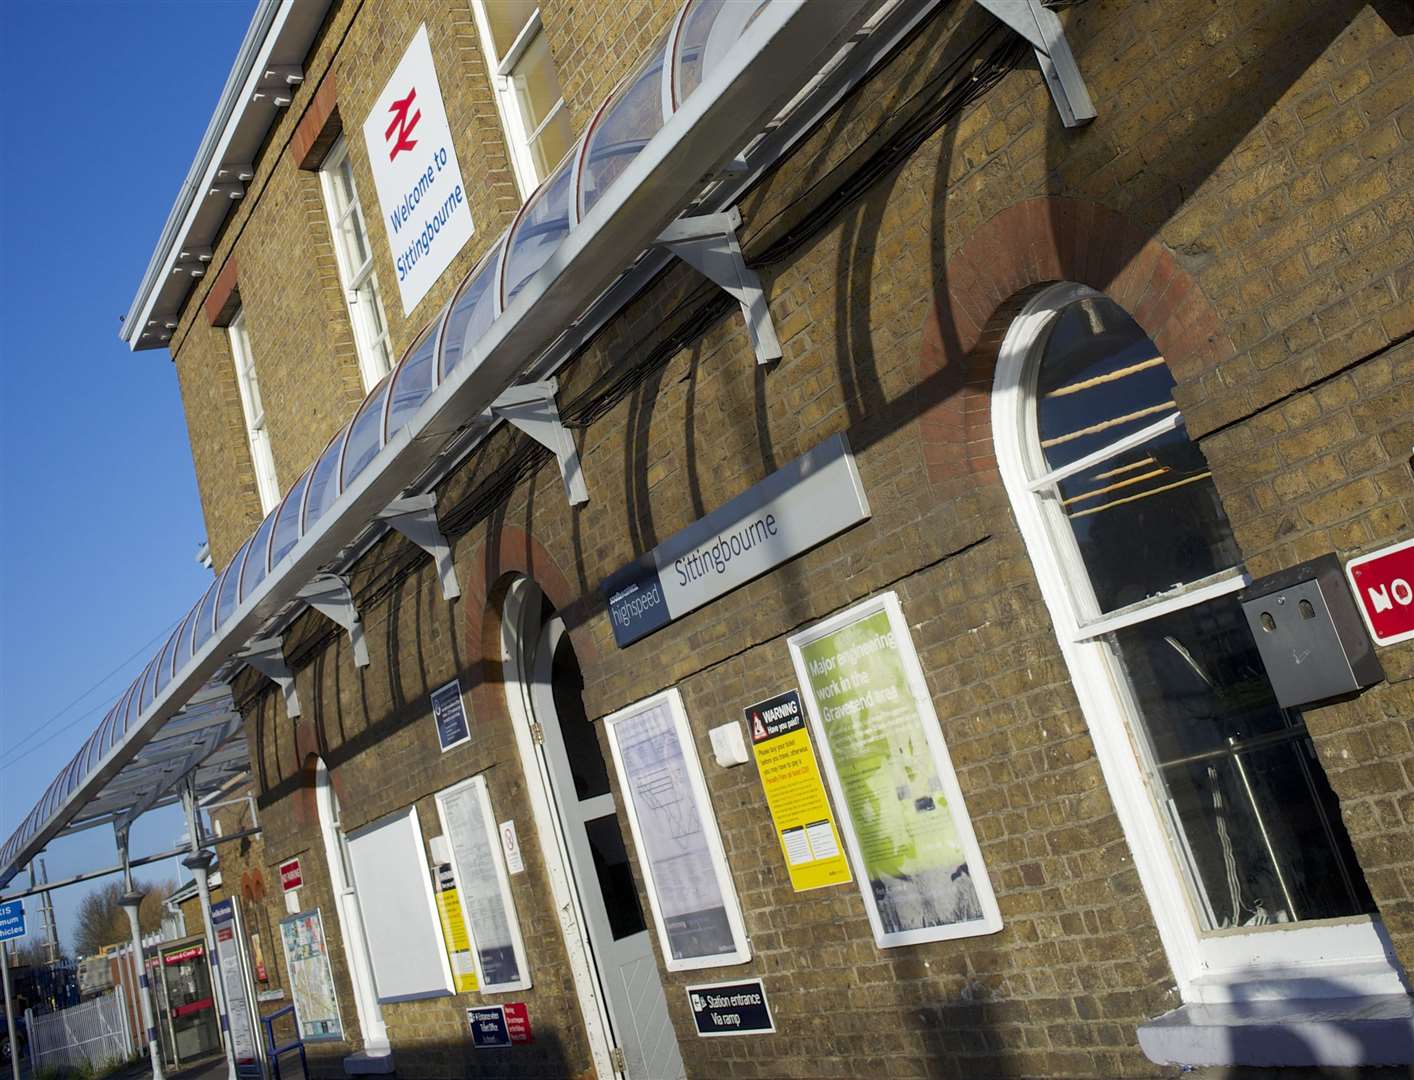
(92, 1034)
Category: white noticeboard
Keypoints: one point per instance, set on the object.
(399, 909)
(415, 171)
(480, 871)
(690, 889)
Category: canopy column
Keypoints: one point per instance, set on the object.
(199, 862)
(131, 901)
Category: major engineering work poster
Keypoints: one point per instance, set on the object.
(906, 828)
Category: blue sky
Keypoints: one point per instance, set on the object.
(105, 104)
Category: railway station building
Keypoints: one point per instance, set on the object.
(761, 539)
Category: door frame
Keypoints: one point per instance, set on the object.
(517, 639)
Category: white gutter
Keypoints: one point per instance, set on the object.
(270, 28)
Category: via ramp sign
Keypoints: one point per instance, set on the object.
(12, 920)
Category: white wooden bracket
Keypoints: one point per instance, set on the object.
(530, 407)
(1040, 27)
(415, 517)
(267, 656)
(707, 243)
(329, 595)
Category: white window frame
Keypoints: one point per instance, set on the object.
(1324, 958)
(359, 282)
(477, 785)
(262, 457)
(519, 132)
(990, 921)
(741, 952)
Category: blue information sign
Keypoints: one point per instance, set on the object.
(12, 920)
(449, 714)
(488, 1026)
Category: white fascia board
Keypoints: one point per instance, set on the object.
(267, 29)
(781, 50)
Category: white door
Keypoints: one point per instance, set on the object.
(618, 932)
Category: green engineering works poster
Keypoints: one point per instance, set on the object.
(913, 845)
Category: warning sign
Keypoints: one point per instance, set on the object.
(449, 908)
(795, 793)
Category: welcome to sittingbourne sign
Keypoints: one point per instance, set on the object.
(417, 175)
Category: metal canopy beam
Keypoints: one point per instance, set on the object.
(530, 407)
(1040, 27)
(707, 243)
(415, 517)
(329, 595)
(267, 656)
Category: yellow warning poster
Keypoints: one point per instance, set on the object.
(810, 842)
(449, 906)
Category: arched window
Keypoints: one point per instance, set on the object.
(1233, 825)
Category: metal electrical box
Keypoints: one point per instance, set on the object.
(1309, 632)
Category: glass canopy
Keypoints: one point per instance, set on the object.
(699, 38)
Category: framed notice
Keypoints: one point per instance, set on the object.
(483, 887)
(795, 793)
(400, 916)
(311, 979)
(231, 967)
(449, 714)
(906, 828)
(684, 867)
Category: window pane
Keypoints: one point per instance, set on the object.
(323, 484)
(1256, 820)
(1148, 519)
(606, 842)
(366, 435)
(254, 572)
(506, 18)
(536, 85)
(553, 143)
(1101, 378)
(287, 527)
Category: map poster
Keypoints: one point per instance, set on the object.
(311, 979)
(907, 831)
(795, 793)
(449, 910)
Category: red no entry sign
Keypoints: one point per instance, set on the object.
(1383, 582)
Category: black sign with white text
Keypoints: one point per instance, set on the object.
(737, 1008)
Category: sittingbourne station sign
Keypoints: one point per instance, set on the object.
(415, 170)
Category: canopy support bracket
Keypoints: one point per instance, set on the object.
(530, 407)
(267, 656)
(1042, 29)
(708, 243)
(415, 517)
(329, 595)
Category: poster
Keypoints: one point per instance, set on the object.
(482, 886)
(449, 909)
(245, 1042)
(795, 794)
(449, 716)
(699, 922)
(908, 833)
(311, 980)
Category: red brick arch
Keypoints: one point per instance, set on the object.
(986, 281)
(511, 550)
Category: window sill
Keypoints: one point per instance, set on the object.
(1311, 1032)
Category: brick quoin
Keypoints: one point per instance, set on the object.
(994, 271)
